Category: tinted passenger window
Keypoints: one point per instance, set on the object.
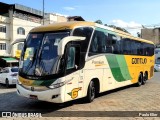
(83, 32)
(107, 42)
(98, 43)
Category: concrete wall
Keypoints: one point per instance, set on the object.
(53, 18)
(151, 34)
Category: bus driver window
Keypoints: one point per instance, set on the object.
(71, 58)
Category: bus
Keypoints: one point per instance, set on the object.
(61, 62)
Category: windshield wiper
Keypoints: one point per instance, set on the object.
(31, 62)
(34, 57)
(40, 63)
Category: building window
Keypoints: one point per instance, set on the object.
(3, 29)
(21, 31)
(2, 46)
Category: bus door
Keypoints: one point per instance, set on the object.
(73, 86)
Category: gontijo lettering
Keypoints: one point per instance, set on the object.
(139, 60)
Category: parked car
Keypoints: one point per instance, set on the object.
(157, 67)
(8, 76)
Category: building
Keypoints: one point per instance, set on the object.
(51, 18)
(16, 21)
(151, 34)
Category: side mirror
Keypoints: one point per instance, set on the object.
(64, 41)
(14, 42)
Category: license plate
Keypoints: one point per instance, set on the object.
(33, 97)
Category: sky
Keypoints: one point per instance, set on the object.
(128, 14)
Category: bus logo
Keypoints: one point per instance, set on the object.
(74, 93)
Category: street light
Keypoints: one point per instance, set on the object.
(43, 12)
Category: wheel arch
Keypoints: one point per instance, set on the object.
(146, 72)
(97, 82)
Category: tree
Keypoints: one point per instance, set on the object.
(99, 22)
(138, 34)
(118, 28)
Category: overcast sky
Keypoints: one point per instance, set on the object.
(123, 13)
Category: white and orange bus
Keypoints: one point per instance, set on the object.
(65, 61)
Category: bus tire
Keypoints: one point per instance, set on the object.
(140, 79)
(91, 93)
(145, 78)
(7, 83)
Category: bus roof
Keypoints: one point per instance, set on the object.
(61, 26)
(71, 25)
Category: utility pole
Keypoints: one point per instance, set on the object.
(43, 12)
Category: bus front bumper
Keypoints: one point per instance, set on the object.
(50, 95)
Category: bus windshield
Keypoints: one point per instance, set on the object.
(40, 56)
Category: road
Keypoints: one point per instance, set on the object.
(144, 98)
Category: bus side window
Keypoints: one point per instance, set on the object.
(101, 43)
(126, 46)
(83, 32)
(108, 43)
(113, 43)
(71, 58)
(94, 44)
(133, 47)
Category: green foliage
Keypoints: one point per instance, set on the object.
(99, 22)
(118, 28)
(112, 26)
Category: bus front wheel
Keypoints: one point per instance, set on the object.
(91, 93)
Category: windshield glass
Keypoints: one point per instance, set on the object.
(40, 56)
(14, 69)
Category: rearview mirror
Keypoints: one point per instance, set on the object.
(64, 41)
(14, 42)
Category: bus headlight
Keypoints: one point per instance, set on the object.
(18, 82)
(53, 86)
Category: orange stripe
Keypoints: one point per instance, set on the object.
(99, 65)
